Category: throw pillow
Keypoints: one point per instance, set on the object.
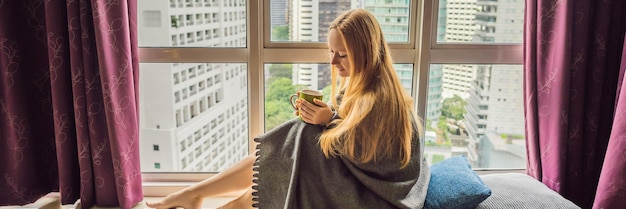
(454, 185)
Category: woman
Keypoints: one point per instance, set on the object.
(364, 153)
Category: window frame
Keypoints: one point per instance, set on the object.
(421, 50)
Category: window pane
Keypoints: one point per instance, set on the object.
(193, 116)
(480, 21)
(476, 111)
(284, 79)
(192, 23)
(308, 21)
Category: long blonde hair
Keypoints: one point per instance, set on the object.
(376, 114)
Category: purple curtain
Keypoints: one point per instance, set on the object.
(611, 192)
(68, 105)
(572, 56)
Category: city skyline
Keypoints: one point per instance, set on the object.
(189, 124)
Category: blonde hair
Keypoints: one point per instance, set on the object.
(376, 114)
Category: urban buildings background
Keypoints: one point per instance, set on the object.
(188, 124)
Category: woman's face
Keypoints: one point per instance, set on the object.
(338, 53)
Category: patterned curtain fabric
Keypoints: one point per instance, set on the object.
(573, 51)
(611, 191)
(69, 103)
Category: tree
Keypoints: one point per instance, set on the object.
(280, 33)
(277, 112)
(280, 71)
(280, 90)
(277, 105)
(441, 124)
(326, 92)
(429, 126)
(454, 107)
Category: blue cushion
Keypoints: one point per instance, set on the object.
(453, 184)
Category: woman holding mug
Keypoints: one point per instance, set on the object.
(363, 150)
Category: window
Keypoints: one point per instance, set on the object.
(157, 165)
(453, 66)
(467, 116)
(155, 147)
(189, 109)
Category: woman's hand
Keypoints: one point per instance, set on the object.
(318, 114)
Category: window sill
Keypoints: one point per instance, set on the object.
(53, 201)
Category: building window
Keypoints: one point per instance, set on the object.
(155, 147)
(466, 49)
(157, 165)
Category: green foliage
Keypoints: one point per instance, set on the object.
(277, 112)
(437, 158)
(280, 90)
(280, 71)
(280, 33)
(429, 125)
(442, 127)
(453, 107)
(326, 92)
(441, 124)
(513, 136)
(277, 106)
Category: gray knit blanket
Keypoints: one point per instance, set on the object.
(291, 172)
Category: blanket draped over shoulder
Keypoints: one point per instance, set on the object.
(291, 172)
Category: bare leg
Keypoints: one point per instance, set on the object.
(236, 178)
(242, 202)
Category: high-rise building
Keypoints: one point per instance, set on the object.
(310, 20)
(309, 23)
(499, 21)
(393, 17)
(495, 115)
(433, 105)
(460, 25)
(304, 27)
(442, 20)
(492, 92)
(477, 112)
(279, 11)
(495, 105)
(506, 101)
(435, 74)
(328, 11)
(194, 117)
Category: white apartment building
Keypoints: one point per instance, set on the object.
(304, 27)
(310, 21)
(499, 21)
(193, 116)
(279, 10)
(477, 112)
(483, 21)
(457, 80)
(506, 101)
(460, 20)
(495, 102)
